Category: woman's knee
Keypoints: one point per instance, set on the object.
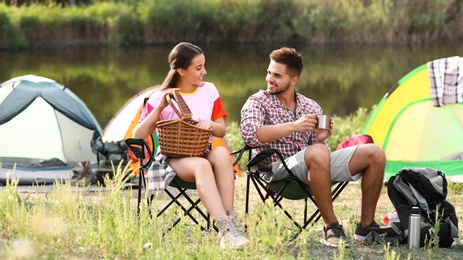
(219, 155)
(202, 164)
(219, 151)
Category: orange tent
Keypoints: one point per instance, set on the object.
(121, 126)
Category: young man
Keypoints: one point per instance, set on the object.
(282, 118)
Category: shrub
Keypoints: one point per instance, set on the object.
(11, 36)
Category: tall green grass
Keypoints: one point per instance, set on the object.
(121, 23)
(68, 223)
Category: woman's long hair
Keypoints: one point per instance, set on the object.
(180, 57)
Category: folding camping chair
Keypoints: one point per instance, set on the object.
(290, 188)
(142, 151)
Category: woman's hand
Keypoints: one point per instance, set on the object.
(206, 124)
(163, 101)
(218, 126)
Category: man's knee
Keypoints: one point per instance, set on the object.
(376, 154)
(376, 160)
(367, 156)
(317, 154)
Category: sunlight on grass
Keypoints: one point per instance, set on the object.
(69, 222)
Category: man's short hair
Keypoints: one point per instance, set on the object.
(289, 57)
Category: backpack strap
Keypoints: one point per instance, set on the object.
(454, 233)
(398, 229)
(420, 199)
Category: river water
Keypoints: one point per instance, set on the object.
(340, 78)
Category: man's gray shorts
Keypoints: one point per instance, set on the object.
(339, 166)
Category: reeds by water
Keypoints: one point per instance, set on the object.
(121, 23)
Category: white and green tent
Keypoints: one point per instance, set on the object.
(45, 129)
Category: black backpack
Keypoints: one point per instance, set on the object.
(111, 153)
(425, 188)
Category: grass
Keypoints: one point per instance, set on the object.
(71, 223)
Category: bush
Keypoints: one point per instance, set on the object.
(348, 126)
(126, 28)
(124, 22)
(11, 36)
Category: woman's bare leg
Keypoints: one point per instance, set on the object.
(224, 175)
(199, 170)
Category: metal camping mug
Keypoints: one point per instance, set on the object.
(323, 122)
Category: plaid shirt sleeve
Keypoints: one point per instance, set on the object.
(252, 118)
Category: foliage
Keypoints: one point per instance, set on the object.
(232, 21)
(348, 126)
(11, 37)
(126, 28)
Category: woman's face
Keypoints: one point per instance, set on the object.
(194, 73)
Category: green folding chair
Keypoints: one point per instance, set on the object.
(289, 188)
(178, 195)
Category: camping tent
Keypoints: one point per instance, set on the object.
(419, 122)
(44, 125)
(121, 126)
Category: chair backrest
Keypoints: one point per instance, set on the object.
(152, 143)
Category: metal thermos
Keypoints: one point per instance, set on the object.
(414, 229)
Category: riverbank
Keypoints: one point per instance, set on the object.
(163, 21)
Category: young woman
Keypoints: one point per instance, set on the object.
(213, 173)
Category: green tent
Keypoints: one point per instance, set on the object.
(416, 127)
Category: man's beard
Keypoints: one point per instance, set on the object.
(279, 91)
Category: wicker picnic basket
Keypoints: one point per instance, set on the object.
(181, 137)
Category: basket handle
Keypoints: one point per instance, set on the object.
(183, 111)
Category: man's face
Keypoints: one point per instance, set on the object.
(277, 80)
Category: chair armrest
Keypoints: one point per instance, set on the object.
(139, 147)
(240, 153)
(264, 155)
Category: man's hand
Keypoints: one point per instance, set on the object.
(323, 134)
(305, 123)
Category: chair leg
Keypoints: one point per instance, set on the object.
(141, 185)
(248, 183)
(186, 211)
(277, 199)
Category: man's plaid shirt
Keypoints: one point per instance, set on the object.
(264, 109)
